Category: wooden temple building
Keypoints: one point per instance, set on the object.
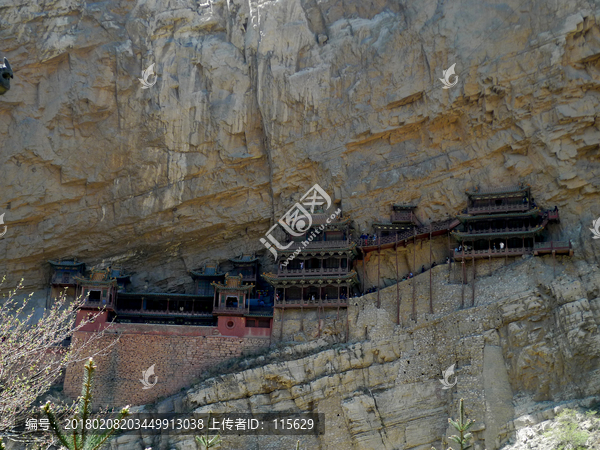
(235, 314)
(504, 222)
(314, 269)
(321, 275)
(63, 277)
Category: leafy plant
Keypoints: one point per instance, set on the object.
(206, 441)
(462, 427)
(33, 354)
(567, 434)
(82, 440)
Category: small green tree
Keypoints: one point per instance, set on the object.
(567, 434)
(205, 442)
(462, 427)
(81, 439)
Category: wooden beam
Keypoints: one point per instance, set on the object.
(430, 275)
(414, 286)
(397, 284)
(473, 299)
(378, 271)
(462, 298)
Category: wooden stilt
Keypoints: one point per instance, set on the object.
(462, 298)
(347, 324)
(319, 315)
(473, 299)
(281, 330)
(302, 316)
(378, 272)
(397, 284)
(414, 286)
(554, 262)
(364, 277)
(430, 275)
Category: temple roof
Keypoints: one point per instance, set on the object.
(500, 192)
(206, 272)
(67, 263)
(244, 258)
(398, 207)
(97, 278)
(531, 213)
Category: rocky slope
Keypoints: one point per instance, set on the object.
(258, 100)
(530, 343)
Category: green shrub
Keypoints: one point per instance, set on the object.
(567, 434)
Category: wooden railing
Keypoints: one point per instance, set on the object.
(145, 312)
(312, 272)
(503, 230)
(409, 234)
(341, 243)
(491, 252)
(230, 310)
(553, 245)
(308, 303)
(402, 216)
(486, 209)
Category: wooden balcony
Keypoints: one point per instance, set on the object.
(491, 253)
(161, 312)
(490, 209)
(402, 216)
(312, 272)
(308, 303)
(59, 279)
(231, 310)
(341, 243)
(502, 230)
(558, 247)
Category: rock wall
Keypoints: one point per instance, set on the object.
(258, 100)
(530, 342)
(178, 353)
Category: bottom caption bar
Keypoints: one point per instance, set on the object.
(271, 424)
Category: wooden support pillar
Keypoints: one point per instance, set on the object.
(430, 275)
(397, 284)
(462, 298)
(281, 328)
(347, 323)
(319, 315)
(364, 277)
(378, 272)
(414, 286)
(302, 313)
(553, 261)
(473, 299)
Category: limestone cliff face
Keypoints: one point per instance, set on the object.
(530, 343)
(257, 100)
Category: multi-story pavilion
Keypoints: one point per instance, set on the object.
(63, 277)
(504, 222)
(235, 314)
(320, 275)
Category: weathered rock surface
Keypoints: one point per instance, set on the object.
(518, 353)
(258, 100)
